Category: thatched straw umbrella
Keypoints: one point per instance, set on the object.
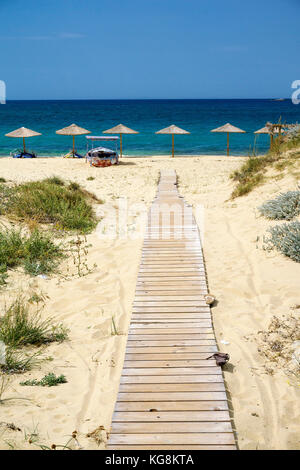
(172, 130)
(228, 128)
(120, 129)
(268, 130)
(73, 130)
(22, 133)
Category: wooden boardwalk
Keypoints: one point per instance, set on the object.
(170, 396)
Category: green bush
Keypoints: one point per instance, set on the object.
(17, 362)
(285, 206)
(35, 252)
(20, 326)
(286, 239)
(49, 380)
(51, 201)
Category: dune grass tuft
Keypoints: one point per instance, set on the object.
(35, 252)
(21, 326)
(252, 172)
(17, 362)
(50, 201)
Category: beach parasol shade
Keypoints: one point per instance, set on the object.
(228, 128)
(120, 129)
(172, 130)
(73, 130)
(267, 130)
(22, 133)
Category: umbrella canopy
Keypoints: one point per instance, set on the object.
(120, 129)
(22, 133)
(266, 130)
(228, 128)
(269, 130)
(172, 130)
(73, 130)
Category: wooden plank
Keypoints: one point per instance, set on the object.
(172, 406)
(171, 379)
(170, 303)
(169, 316)
(209, 366)
(177, 355)
(171, 326)
(160, 331)
(171, 396)
(173, 416)
(175, 340)
(173, 349)
(162, 309)
(173, 438)
(165, 372)
(170, 427)
(177, 387)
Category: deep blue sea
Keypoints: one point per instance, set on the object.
(147, 117)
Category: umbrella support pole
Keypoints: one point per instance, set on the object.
(227, 144)
(173, 154)
(121, 146)
(24, 148)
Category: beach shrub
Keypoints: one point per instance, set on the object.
(51, 201)
(20, 326)
(49, 380)
(36, 252)
(17, 362)
(246, 186)
(285, 206)
(252, 172)
(286, 239)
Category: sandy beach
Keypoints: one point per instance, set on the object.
(250, 285)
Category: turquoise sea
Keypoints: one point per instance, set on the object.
(147, 117)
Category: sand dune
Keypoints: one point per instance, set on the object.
(250, 285)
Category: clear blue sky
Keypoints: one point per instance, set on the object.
(77, 49)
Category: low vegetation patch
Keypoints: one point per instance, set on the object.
(285, 206)
(21, 325)
(286, 239)
(279, 345)
(51, 201)
(49, 380)
(252, 172)
(35, 252)
(17, 362)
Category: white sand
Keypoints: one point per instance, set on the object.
(250, 285)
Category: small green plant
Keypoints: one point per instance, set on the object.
(247, 185)
(252, 172)
(286, 239)
(50, 201)
(114, 330)
(90, 178)
(21, 326)
(37, 253)
(18, 362)
(285, 206)
(2, 180)
(49, 380)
